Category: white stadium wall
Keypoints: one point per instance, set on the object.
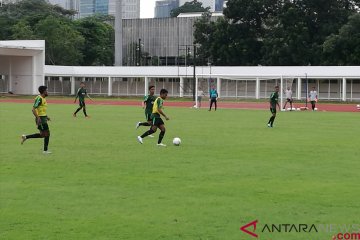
(22, 66)
(22, 71)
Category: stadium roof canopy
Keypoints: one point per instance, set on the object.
(23, 64)
(261, 72)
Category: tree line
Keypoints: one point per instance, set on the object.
(87, 41)
(251, 33)
(281, 32)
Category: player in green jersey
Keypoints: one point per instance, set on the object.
(81, 93)
(41, 119)
(156, 118)
(148, 104)
(274, 97)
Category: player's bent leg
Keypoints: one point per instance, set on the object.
(161, 136)
(77, 110)
(46, 141)
(84, 111)
(147, 133)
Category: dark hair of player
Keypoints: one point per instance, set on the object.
(42, 89)
(163, 91)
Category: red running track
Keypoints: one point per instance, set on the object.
(237, 105)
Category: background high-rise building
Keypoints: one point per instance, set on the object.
(164, 7)
(85, 8)
(205, 3)
(219, 5)
(130, 8)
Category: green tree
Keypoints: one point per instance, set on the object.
(63, 42)
(344, 48)
(22, 30)
(287, 39)
(6, 24)
(193, 6)
(272, 32)
(98, 48)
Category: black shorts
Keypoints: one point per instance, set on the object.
(213, 100)
(273, 110)
(289, 100)
(81, 103)
(148, 117)
(43, 126)
(157, 122)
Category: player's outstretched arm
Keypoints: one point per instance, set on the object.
(163, 114)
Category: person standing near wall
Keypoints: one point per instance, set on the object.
(213, 97)
(200, 94)
(274, 101)
(313, 98)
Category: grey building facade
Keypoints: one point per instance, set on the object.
(164, 7)
(162, 41)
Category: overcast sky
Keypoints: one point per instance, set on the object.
(147, 8)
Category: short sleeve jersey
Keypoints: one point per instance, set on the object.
(274, 97)
(149, 103)
(81, 94)
(213, 93)
(288, 94)
(40, 106)
(313, 95)
(158, 104)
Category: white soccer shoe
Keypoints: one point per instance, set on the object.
(137, 125)
(140, 140)
(23, 138)
(269, 125)
(161, 145)
(47, 152)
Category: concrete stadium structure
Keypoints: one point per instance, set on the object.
(22, 69)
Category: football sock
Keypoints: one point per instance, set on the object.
(36, 135)
(84, 110)
(161, 136)
(147, 133)
(272, 121)
(77, 110)
(46, 143)
(144, 124)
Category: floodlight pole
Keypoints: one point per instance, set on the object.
(139, 52)
(118, 34)
(306, 89)
(194, 75)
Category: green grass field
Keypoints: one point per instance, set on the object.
(230, 169)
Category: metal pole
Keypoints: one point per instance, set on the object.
(194, 77)
(306, 89)
(118, 34)
(139, 51)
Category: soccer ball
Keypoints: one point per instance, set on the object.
(176, 141)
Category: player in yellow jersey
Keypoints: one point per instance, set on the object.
(157, 112)
(41, 118)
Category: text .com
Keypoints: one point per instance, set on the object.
(347, 236)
